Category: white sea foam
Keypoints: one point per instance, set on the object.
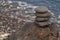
(58, 16)
(58, 21)
(9, 1)
(4, 36)
(51, 13)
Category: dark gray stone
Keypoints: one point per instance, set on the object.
(43, 24)
(42, 19)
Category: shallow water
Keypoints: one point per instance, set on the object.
(53, 5)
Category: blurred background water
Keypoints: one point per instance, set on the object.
(53, 5)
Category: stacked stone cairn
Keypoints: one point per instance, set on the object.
(42, 16)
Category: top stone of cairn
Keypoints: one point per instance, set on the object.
(41, 9)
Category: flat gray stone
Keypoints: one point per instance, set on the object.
(41, 9)
(43, 24)
(43, 15)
